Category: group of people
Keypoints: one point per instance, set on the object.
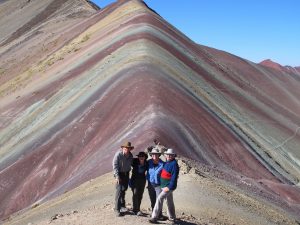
(160, 175)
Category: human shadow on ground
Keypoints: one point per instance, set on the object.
(182, 222)
(130, 213)
(148, 216)
(177, 222)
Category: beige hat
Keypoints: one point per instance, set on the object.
(127, 145)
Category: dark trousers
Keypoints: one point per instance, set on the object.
(138, 187)
(121, 190)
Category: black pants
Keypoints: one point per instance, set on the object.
(121, 190)
(137, 187)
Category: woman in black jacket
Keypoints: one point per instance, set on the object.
(138, 181)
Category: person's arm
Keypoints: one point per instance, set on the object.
(116, 167)
(148, 168)
(174, 175)
(134, 166)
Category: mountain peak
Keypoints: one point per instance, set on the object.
(272, 64)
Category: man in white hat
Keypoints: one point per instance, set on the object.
(168, 183)
(155, 165)
(121, 166)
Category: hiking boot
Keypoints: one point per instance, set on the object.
(153, 220)
(123, 209)
(118, 213)
(162, 218)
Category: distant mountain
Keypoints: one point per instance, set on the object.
(270, 63)
(277, 66)
(76, 82)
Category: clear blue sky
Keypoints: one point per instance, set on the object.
(252, 29)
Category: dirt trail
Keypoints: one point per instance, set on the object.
(200, 198)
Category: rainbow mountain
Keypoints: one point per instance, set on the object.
(77, 81)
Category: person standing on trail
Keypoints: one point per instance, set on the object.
(155, 166)
(138, 181)
(168, 184)
(122, 162)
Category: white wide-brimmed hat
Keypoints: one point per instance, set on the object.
(170, 151)
(155, 151)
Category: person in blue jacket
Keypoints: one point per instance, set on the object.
(168, 184)
(155, 165)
